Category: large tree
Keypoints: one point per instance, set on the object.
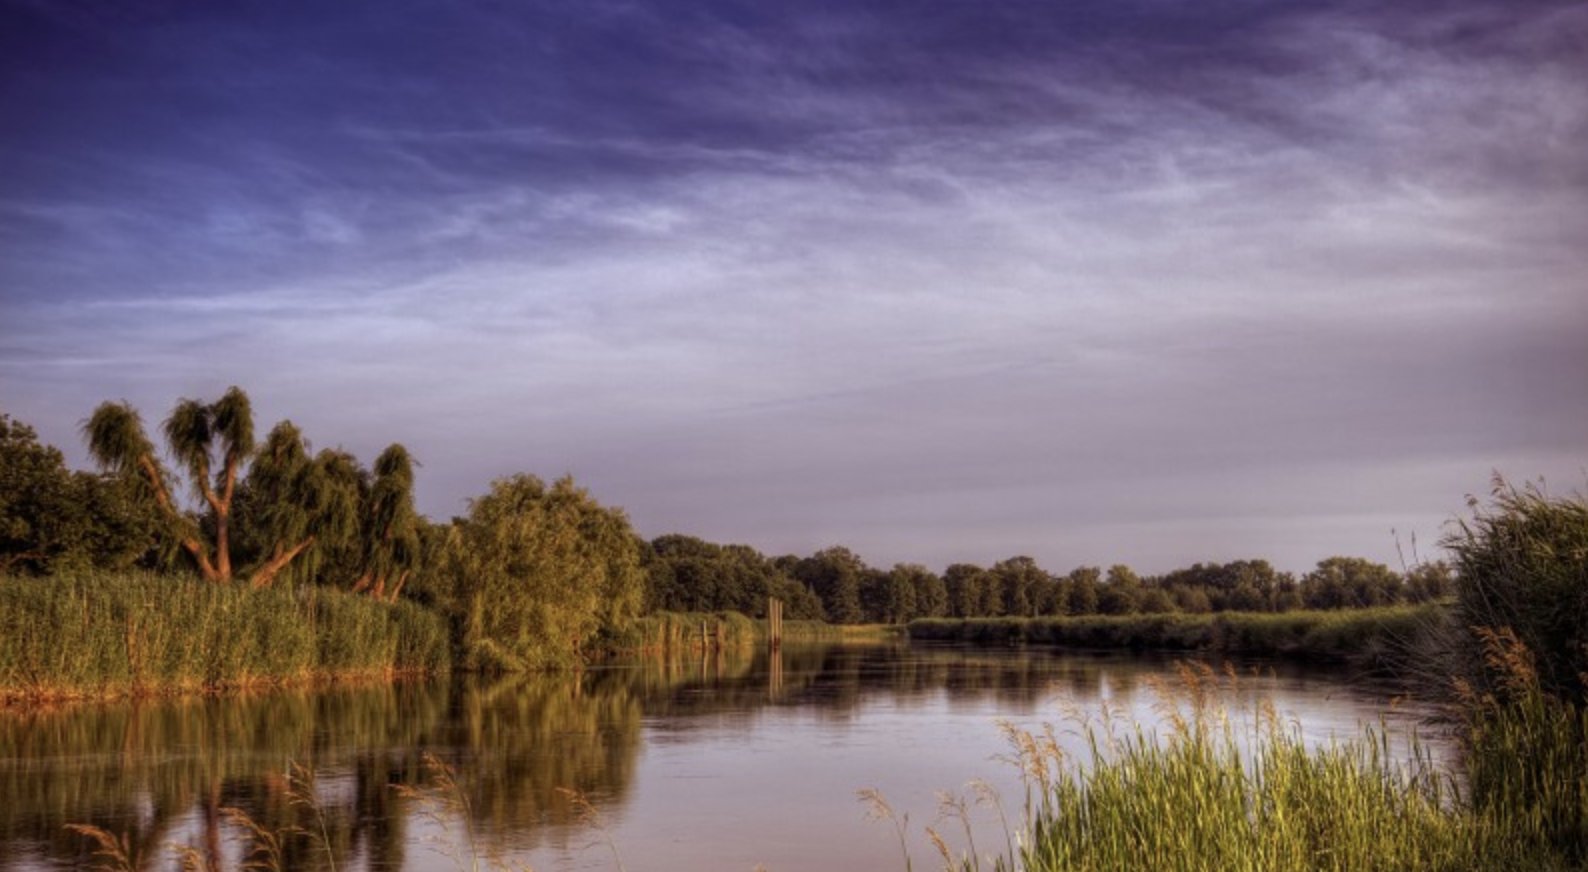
(536, 571)
(389, 539)
(834, 575)
(301, 507)
(210, 441)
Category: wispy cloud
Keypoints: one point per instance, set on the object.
(1093, 283)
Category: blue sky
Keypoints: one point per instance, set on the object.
(1096, 282)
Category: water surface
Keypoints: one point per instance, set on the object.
(701, 763)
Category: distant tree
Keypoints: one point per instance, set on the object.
(210, 441)
(1430, 581)
(1082, 589)
(1350, 582)
(834, 575)
(967, 586)
(1022, 585)
(685, 573)
(1154, 601)
(1121, 593)
(1287, 593)
(931, 595)
(1192, 599)
(895, 596)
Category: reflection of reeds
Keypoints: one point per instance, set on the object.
(440, 802)
(590, 816)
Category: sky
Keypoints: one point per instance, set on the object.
(1096, 281)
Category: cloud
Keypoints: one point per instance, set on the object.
(1084, 283)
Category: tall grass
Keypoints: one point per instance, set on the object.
(1370, 637)
(1246, 792)
(101, 635)
(685, 631)
(1526, 751)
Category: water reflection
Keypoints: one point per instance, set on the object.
(163, 771)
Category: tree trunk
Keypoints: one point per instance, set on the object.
(265, 575)
(223, 511)
(398, 587)
(190, 544)
(206, 568)
(223, 551)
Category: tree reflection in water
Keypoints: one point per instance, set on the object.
(162, 771)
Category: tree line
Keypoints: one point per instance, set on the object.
(835, 584)
(533, 573)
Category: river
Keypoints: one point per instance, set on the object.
(724, 762)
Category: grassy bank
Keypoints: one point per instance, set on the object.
(107, 635)
(1367, 637)
(1211, 795)
(682, 631)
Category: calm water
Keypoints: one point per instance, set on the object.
(698, 764)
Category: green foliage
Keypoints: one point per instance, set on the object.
(970, 591)
(391, 548)
(535, 572)
(1350, 582)
(1211, 795)
(1527, 752)
(684, 573)
(1522, 566)
(299, 510)
(52, 519)
(1024, 589)
(834, 574)
(97, 634)
(116, 438)
(1366, 637)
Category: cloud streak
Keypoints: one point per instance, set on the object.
(1095, 283)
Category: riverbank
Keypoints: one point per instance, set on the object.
(104, 636)
(100, 636)
(1365, 638)
(686, 631)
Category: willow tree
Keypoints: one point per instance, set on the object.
(536, 571)
(304, 506)
(211, 442)
(390, 547)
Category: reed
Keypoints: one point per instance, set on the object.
(1243, 791)
(100, 635)
(1367, 637)
(682, 631)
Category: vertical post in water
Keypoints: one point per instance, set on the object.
(774, 622)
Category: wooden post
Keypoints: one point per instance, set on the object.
(774, 623)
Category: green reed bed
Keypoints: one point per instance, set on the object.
(1364, 636)
(100, 635)
(1245, 792)
(681, 631)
